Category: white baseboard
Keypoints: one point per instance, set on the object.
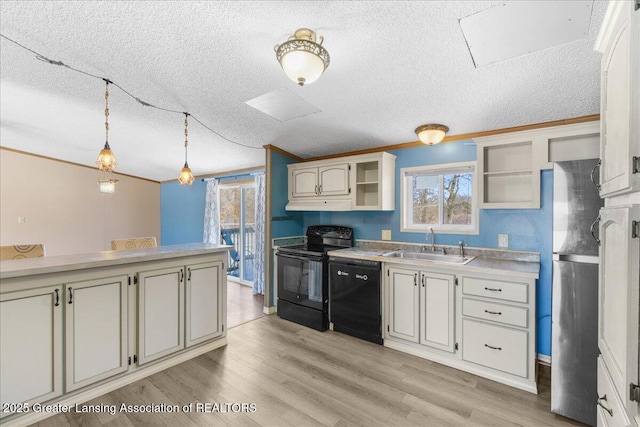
(544, 359)
(270, 310)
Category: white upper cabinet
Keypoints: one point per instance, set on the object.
(330, 180)
(619, 42)
(363, 182)
(509, 164)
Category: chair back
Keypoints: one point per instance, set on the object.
(134, 243)
(21, 251)
(233, 253)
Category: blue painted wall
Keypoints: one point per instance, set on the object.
(283, 223)
(528, 229)
(182, 210)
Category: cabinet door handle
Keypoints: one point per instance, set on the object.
(316, 190)
(320, 189)
(592, 229)
(70, 295)
(593, 171)
(423, 281)
(415, 279)
(180, 276)
(493, 289)
(493, 312)
(604, 398)
(189, 275)
(57, 303)
(492, 347)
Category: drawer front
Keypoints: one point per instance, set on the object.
(610, 407)
(496, 347)
(509, 315)
(508, 291)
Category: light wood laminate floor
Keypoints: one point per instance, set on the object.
(242, 304)
(297, 376)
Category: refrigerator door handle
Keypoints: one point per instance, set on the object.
(593, 171)
(592, 228)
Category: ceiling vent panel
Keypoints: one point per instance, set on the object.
(282, 105)
(517, 28)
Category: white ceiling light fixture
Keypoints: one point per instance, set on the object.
(302, 58)
(432, 133)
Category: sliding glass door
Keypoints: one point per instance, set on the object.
(237, 222)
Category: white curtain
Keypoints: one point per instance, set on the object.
(211, 214)
(258, 282)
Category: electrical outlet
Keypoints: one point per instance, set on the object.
(503, 240)
(386, 234)
(20, 220)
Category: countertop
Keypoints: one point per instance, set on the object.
(527, 269)
(62, 263)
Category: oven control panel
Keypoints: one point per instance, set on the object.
(330, 231)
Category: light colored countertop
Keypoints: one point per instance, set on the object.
(528, 269)
(62, 263)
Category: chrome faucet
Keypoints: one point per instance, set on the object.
(461, 249)
(433, 240)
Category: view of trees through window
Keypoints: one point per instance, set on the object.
(456, 200)
(230, 206)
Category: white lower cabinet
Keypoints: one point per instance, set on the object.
(95, 330)
(437, 310)
(481, 323)
(421, 307)
(75, 331)
(404, 303)
(611, 411)
(499, 327)
(204, 297)
(160, 313)
(618, 312)
(30, 346)
(496, 347)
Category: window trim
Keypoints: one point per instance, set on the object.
(474, 228)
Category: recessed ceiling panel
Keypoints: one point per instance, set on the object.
(516, 28)
(282, 105)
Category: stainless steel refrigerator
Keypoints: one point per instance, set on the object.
(574, 322)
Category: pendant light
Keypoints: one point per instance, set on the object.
(107, 185)
(302, 58)
(432, 133)
(186, 177)
(106, 159)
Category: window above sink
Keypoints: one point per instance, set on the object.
(439, 197)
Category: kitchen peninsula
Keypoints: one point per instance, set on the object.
(77, 326)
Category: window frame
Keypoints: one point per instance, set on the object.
(406, 200)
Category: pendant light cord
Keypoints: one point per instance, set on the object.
(43, 58)
(186, 133)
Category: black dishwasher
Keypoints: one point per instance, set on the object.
(354, 298)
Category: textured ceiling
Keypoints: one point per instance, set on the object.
(394, 65)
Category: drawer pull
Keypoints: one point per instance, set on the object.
(493, 312)
(600, 399)
(492, 347)
(493, 289)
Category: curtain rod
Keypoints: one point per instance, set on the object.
(232, 175)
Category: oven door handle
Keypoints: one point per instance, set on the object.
(301, 258)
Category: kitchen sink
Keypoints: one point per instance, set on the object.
(421, 256)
